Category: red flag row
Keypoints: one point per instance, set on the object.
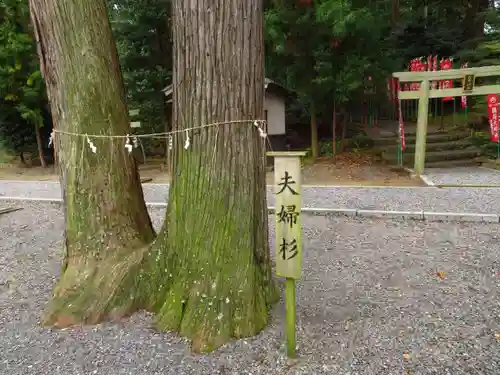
(421, 65)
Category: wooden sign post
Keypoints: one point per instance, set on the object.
(287, 173)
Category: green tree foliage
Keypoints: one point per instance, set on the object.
(483, 50)
(329, 47)
(143, 37)
(329, 51)
(142, 33)
(344, 50)
(325, 50)
(22, 92)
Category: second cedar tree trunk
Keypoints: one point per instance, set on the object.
(213, 252)
(107, 224)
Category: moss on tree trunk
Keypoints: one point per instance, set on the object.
(213, 254)
(107, 224)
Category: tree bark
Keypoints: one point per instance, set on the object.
(345, 119)
(474, 19)
(334, 130)
(213, 253)
(314, 133)
(163, 34)
(40, 146)
(395, 13)
(107, 225)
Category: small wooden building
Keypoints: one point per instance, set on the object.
(274, 112)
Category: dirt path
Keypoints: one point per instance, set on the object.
(346, 169)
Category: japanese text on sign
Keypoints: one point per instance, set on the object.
(288, 214)
(286, 184)
(469, 82)
(287, 250)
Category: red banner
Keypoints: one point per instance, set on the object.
(413, 68)
(463, 99)
(446, 64)
(401, 127)
(493, 116)
(421, 67)
(434, 68)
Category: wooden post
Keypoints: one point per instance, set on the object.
(423, 113)
(287, 177)
(136, 125)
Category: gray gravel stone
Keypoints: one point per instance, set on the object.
(370, 303)
(463, 176)
(431, 199)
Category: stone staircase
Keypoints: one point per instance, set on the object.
(443, 149)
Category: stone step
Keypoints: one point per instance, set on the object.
(446, 163)
(411, 139)
(436, 156)
(438, 146)
(451, 163)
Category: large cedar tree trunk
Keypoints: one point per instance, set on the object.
(213, 253)
(107, 225)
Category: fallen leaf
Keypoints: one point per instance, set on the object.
(440, 274)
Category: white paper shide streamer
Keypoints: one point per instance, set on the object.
(188, 141)
(133, 141)
(91, 145)
(262, 133)
(170, 142)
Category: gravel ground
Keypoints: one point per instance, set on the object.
(369, 303)
(463, 176)
(431, 199)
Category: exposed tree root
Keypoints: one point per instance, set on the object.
(209, 304)
(209, 308)
(91, 290)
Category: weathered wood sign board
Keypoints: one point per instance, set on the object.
(288, 196)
